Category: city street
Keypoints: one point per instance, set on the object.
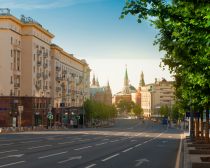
(130, 143)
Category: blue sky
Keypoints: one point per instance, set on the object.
(91, 29)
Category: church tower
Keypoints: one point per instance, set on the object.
(93, 80)
(126, 89)
(141, 83)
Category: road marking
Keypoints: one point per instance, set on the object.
(140, 162)
(83, 148)
(6, 144)
(105, 139)
(8, 151)
(138, 145)
(31, 141)
(127, 149)
(35, 147)
(54, 154)
(115, 140)
(17, 156)
(179, 154)
(10, 164)
(61, 143)
(101, 144)
(110, 157)
(134, 140)
(92, 165)
(71, 158)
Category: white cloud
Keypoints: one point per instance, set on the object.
(40, 4)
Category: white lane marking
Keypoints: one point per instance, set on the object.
(6, 144)
(36, 147)
(69, 142)
(83, 148)
(31, 141)
(140, 162)
(110, 157)
(71, 158)
(138, 145)
(8, 151)
(179, 153)
(115, 140)
(92, 165)
(127, 149)
(134, 140)
(105, 139)
(54, 154)
(101, 144)
(17, 156)
(10, 164)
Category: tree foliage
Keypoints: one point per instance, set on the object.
(99, 111)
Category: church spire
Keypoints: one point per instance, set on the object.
(93, 80)
(97, 82)
(126, 82)
(142, 83)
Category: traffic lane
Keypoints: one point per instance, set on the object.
(158, 153)
(54, 152)
(70, 158)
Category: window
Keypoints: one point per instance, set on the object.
(11, 40)
(11, 53)
(11, 80)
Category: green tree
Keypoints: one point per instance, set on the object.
(138, 111)
(125, 106)
(184, 36)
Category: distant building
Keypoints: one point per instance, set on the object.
(154, 95)
(100, 94)
(128, 92)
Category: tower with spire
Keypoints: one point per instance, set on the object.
(126, 89)
(93, 80)
(141, 82)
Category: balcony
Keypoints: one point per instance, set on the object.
(38, 75)
(39, 52)
(58, 89)
(58, 68)
(16, 72)
(39, 63)
(45, 54)
(45, 65)
(45, 87)
(45, 76)
(64, 71)
(17, 46)
(59, 78)
(38, 86)
(16, 85)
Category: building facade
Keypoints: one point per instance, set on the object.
(29, 66)
(100, 94)
(128, 92)
(155, 95)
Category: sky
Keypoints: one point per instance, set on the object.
(92, 30)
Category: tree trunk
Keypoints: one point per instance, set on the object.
(197, 127)
(202, 126)
(207, 126)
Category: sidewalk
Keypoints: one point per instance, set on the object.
(191, 154)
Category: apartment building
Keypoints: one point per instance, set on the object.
(154, 95)
(70, 83)
(29, 66)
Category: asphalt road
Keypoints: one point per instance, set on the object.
(129, 144)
